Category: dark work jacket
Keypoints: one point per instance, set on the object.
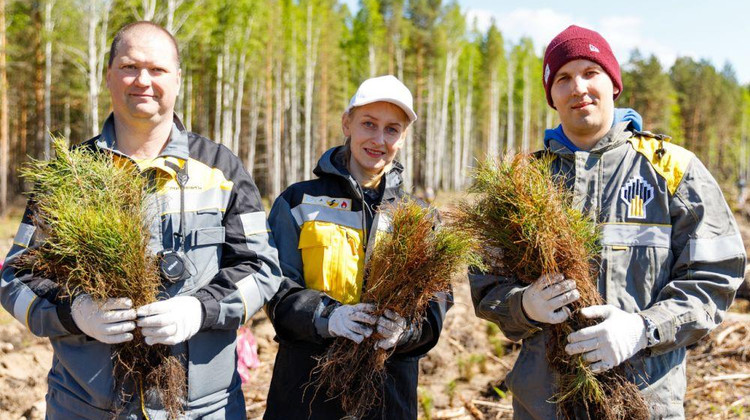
(308, 219)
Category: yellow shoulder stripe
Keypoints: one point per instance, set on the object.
(672, 164)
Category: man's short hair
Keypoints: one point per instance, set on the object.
(131, 27)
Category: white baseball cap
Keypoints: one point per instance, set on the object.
(385, 89)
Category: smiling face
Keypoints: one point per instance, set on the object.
(583, 95)
(144, 78)
(377, 132)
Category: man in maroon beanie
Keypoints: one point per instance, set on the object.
(671, 255)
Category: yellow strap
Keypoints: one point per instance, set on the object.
(143, 401)
(671, 164)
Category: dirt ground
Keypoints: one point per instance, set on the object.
(462, 378)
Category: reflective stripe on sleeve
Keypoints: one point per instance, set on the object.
(626, 234)
(309, 212)
(720, 248)
(254, 223)
(24, 234)
(250, 296)
(24, 300)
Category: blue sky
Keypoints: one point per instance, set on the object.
(717, 30)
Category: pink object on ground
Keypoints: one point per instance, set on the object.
(247, 353)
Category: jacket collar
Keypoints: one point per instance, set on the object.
(615, 137)
(177, 145)
(332, 163)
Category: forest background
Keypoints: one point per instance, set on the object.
(270, 78)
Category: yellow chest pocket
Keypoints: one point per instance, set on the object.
(333, 259)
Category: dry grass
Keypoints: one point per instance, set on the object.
(525, 220)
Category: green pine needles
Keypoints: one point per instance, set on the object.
(410, 265)
(92, 210)
(528, 226)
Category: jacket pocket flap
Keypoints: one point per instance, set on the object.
(207, 236)
(315, 235)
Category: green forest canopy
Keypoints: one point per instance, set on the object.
(270, 78)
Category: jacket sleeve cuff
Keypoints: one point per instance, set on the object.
(411, 335)
(321, 315)
(666, 328)
(66, 317)
(209, 308)
(519, 315)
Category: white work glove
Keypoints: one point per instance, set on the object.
(392, 327)
(614, 340)
(351, 321)
(545, 300)
(109, 322)
(170, 321)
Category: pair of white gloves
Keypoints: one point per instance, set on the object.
(618, 337)
(167, 322)
(356, 323)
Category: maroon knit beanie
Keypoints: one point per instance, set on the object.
(579, 43)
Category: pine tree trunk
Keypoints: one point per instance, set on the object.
(219, 93)
(322, 144)
(419, 102)
(48, 27)
(373, 60)
(66, 118)
(238, 102)
(227, 110)
(268, 111)
(286, 131)
(149, 9)
(93, 54)
(468, 129)
(526, 121)
(310, 60)
(253, 131)
(171, 8)
(95, 60)
(293, 151)
(457, 134)
(511, 119)
(494, 132)
(442, 136)
(4, 149)
(277, 129)
(429, 164)
(188, 101)
(407, 152)
(38, 144)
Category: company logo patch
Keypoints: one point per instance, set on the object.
(637, 193)
(330, 202)
(546, 74)
(593, 48)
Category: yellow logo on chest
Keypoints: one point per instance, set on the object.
(637, 193)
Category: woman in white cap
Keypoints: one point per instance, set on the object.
(323, 228)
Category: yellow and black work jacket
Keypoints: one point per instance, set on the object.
(233, 270)
(324, 230)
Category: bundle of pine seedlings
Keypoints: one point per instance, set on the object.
(91, 209)
(525, 218)
(409, 266)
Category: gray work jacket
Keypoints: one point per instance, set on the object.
(234, 270)
(671, 252)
